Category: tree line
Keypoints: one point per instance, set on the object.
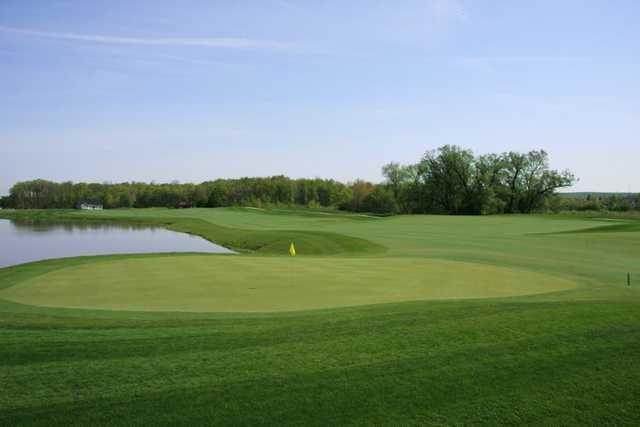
(449, 180)
(599, 202)
(270, 191)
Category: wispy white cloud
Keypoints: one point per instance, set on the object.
(209, 42)
(489, 63)
(525, 59)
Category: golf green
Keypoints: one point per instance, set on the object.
(202, 283)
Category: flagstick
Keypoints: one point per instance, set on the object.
(292, 254)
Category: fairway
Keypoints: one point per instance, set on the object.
(408, 320)
(255, 284)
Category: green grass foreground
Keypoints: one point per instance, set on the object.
(568, 356)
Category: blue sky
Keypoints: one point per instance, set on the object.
(197, 90)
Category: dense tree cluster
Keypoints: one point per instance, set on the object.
(599, 202)
(450, 180)
(276, 190)
(453, 180)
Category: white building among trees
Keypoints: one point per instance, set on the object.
(91, 206)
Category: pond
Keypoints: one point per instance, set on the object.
(22, 242)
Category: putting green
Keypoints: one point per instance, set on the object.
(260, 284)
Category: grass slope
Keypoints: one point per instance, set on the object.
(563, 358)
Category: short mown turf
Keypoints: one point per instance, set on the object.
(568, 356)
(258, 284)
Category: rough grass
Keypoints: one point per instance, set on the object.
(561, 358)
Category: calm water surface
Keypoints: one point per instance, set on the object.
(25, 242)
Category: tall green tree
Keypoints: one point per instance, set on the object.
(447, 175)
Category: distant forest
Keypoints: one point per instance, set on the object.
(584, 202)
(449, 180)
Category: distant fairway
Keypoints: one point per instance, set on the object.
(408, 320)
(250, 284)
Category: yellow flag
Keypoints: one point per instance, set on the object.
(292, 249)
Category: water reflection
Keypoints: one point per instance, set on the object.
(26, 241)
(43, 226)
